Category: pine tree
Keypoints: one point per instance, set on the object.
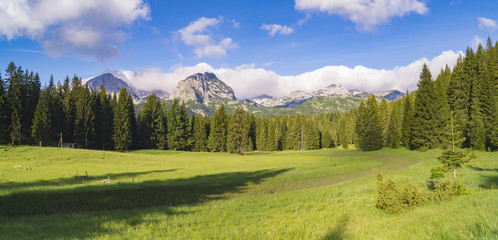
(84, 121)
(238, 140)
(261, 134)
(4, 111)
(42, 120)
(384, 113)
(272, 135)
(406, 125)
(369, 126)
(68, 108)
(311, 136)
(15, 100)
(430, 113)
(123, 130)
(252, 131)
(453, 158)
(326, 139)
(178, 122)
(218, 131)
(199, 132)
(393, 137)
(104, 118)
(152, 124)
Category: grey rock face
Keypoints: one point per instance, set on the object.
(202, 87)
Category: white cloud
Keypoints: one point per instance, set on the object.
(89, 27)
(248, 81)
(476, 41)
(366, 14)
(276, 28)
(487, 24)
(197, 34)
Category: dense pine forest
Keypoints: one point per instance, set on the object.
(69, 112)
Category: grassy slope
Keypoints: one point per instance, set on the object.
(312, 194)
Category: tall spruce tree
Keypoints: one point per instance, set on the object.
(104, 120)
(217, 140)
(369, 126)
(123, 129)
(15, 100)
(431, 113)
(311, 135)
(152, 124)
(238, 140)
(177, 127)
(199, 133)
(406, 124)
(84, 121)
(4, 111)
(42, 120)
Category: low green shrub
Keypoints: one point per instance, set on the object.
(394, 198)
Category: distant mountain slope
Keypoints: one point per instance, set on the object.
(203, 88)
(203, 93)
(113, 84)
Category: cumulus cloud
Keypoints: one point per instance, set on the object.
(249, 81)
(276, 28)
(89, 27)
(487, 24)
(366, 14)
(197, 34)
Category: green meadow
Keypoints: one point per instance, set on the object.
(53, 193)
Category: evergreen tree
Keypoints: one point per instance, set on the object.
(326, 140)
(369, 126)
(32, 93)
(431, 114)
(123, 130)
(238, 140)
(261, 134)
(42, 121)
(217, 140)
(68, 107)
(384, 113)
(199, 132)
(406, 131)
(453, 158)
(84, 122)
(311, 136)
(104, 118)
(393, 137)
(178, 124)
(15, 100)
(4, 111)
(252, 131)
(272, 135)
(152, 124)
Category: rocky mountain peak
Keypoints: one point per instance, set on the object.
(113, 84)
(202, 87)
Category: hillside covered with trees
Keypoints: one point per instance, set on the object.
(71, 113)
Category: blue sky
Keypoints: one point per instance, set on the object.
(256, 46)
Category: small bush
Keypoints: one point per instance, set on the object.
(437, 172)
(423, 149)
(445, 190)
(394, 198)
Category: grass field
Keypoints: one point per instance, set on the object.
(152, 194)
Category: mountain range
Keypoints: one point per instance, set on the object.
(204, 92)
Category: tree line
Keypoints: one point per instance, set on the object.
(465, 97)
(71, 113)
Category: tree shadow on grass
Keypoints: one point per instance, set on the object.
(73, 180)
(339, 231)
(490, 182)
(87, 211)
(482, 169)
(189, 191)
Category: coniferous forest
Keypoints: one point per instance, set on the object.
(69, 112)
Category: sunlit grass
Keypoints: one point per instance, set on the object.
(325, 194)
